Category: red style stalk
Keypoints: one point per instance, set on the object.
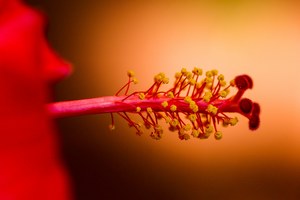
(191, 107)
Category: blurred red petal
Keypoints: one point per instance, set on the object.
(31, 167)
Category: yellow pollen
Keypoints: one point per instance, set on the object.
(183, 71)
(174, 123)
(218, 135)
(207, 96)
(221, 77)
(164, 104)
(138, 109)
(195, 133)
(197, 71)
(170, 95)
(222, 83)
(173, 108)
(233, 121)
(212, 109)
(168, 119)
(223, 93)
(135, 80)
(178, 75)
(149, 110)
(189, 75)
(214, 72)
(209, 129)
(187, 127)
(187, 99)
(209, 74)
(130, 73)
(141, 96)
(192, 81)
(186, 137)
(192, 117)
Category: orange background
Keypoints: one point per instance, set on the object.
(105, 39)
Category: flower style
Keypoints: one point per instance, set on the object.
(192, 107)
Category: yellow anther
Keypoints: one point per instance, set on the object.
(170, 95)
(222, 83)
(149, 110)
(187, 127)
(193, 106)
(178, 75)
(192, 117)
(183, 71)
(173, 108)
(111, 127)
(212, 109)
(138, 109)
(186, 137)
(164, 104)
(130, 73)
(141, 96)
(165, 80)
(188, 99)
(168, 119)
(192, 81)
(214, 72)
(208, 80)
(209, 74)
(218, 135)
(192, 102)
(209, 108)
(159, 77)
(221, 77)
(135, 80)
(223, 93)
(195, 133)
(233, 121)
(189, 75)
(174, 123)
(197, 71)
(209, 129)
(207, 96)
(195, 109)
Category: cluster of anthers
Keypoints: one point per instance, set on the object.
(192, 107)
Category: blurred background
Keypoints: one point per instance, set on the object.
(103, 39)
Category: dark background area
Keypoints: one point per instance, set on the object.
(120, 165)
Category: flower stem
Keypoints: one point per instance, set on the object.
(113, 104)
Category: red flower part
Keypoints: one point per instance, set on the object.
(246, 105)
(193, 107)
(30, 162)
